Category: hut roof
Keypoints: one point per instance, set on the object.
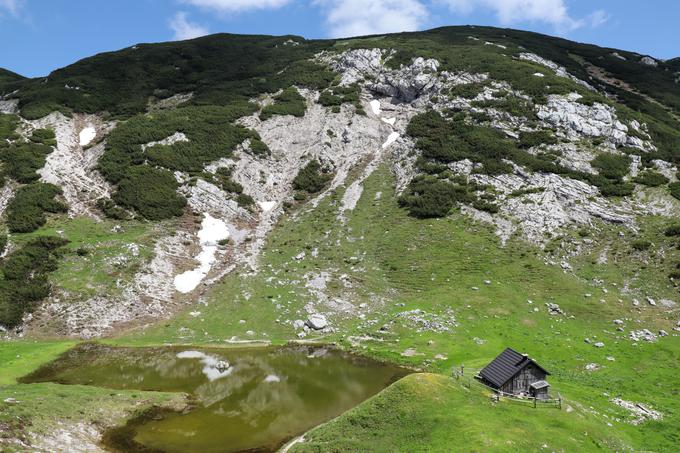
(506, 366)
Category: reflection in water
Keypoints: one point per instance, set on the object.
(253, 398)
(213, 368)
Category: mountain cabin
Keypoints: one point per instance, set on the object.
(516, 374)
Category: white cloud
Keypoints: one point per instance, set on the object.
(553, 12)
(359, 17)
(597, 18)
(11, 6)
(184, 29)
(232, 6)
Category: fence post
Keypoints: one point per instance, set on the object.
(534, 402)
(559, 400)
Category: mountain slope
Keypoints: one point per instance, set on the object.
(427, 198)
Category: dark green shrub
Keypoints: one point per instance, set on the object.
(650, 178)
(512, 104)
(222, 178)
(209, 130)
(111, 210)
(484, 205)
(467, 90)
(336, 96)
(22, 161)
(211, 135)
(531, 139)
(244, 200)
(674, 189)
(26, 211)
(452, 140)
(673, 230)
(44, 136)
(494, 167)
(8, 126)
(151, 192)
(328, 99)
(24, 281)
(289, 102)
(427, 196)
(218, 69)
(641, 245)
(616, 189)
(612, 166)
(258, 147)
(311, 178)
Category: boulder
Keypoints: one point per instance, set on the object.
(317, 321)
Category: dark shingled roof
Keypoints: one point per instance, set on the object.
(505, 366)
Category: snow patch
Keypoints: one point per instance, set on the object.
(267, 205)
(212, 231)
(391, 139)
(272, 378)
(389, 121)
(375, 106)
(87, 135)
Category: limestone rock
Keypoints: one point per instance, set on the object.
(317, 321)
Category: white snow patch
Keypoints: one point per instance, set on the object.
(375, 106)
(272, 378)
(212, 231)
(391, 139)
(267, 205)
(213, 368)
(87, 135)
(539, 74)
(390, 121)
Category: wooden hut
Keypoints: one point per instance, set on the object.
(516, 374)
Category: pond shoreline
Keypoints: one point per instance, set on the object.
(331, 372)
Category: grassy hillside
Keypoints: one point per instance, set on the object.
(394, 263)
(431, 412)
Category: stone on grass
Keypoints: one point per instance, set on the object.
(317, 321)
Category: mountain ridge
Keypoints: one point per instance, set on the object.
(425, 198)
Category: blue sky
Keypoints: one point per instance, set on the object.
(38, 36)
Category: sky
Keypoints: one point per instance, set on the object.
(39, 36)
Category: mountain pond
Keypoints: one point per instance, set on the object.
(241, 399)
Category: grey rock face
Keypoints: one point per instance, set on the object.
(420, 79)
(9, 105)
(557, 69)
(578, 120)
(649, 61)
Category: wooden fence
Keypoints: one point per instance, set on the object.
(467, 379)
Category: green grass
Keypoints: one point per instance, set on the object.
(18, 358)
(110, 257)
(391, 259)
(428, 413)
(40, 406)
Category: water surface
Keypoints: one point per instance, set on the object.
(250, 399)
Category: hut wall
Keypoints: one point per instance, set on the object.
(521, 382)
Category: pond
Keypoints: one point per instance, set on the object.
(246, 399)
